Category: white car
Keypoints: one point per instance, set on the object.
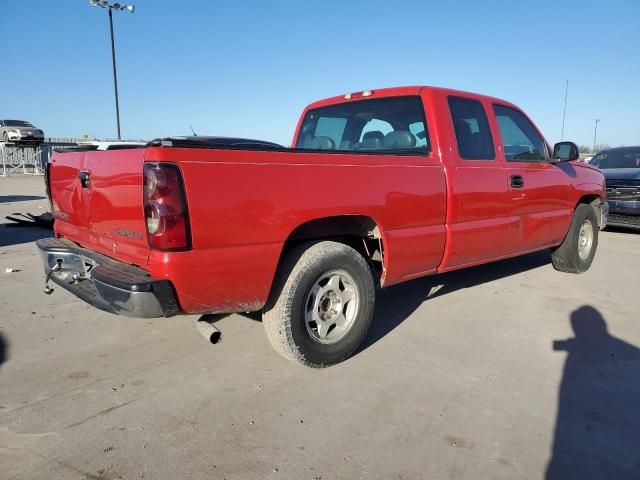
(19, 131)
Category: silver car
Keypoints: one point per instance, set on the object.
(19, 131)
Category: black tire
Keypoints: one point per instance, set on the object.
(285, 315)
(567, 257)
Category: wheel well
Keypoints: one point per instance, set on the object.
(593, 200)
(358, 231)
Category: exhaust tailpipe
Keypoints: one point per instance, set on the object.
(209, 331)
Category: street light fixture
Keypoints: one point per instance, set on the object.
(113, 6)
(595, 132)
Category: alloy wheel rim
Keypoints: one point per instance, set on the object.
(585, 240)
(331, 307)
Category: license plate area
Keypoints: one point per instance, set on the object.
(68, 264)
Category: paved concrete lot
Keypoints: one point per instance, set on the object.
(510, 370)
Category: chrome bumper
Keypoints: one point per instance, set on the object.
(105, 283)
(604, 215)
(24, 138)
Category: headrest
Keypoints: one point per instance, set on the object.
(373, 134)
(399, 139)
(322, 143)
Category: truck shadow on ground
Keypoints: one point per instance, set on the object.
(597, 434)
(13, 235)
(19, 198)
(395, 304)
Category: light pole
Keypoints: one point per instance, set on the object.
(595, 132)
(564, 110)
(113, 6)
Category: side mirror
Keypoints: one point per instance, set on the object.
(565, 152)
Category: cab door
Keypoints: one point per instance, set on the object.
(477, 225)
(539, 211)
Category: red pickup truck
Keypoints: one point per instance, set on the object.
(380, 187)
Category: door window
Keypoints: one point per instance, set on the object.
(472, 129)
(521, 141)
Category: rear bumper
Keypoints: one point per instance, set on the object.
(105, 283)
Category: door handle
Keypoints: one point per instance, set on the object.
(84, 179)
(517, 181)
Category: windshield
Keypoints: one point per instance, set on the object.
(394, 124)
(17, 123)
(618, 158)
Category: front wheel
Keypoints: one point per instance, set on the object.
(576, 253)
(321, 305)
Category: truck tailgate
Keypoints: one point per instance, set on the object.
(97, 202)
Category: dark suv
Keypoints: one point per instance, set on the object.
(621, 168)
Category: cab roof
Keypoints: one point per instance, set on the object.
(399, 92)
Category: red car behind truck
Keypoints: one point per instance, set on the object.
(380, 187)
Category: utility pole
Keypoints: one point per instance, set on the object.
(595, 133)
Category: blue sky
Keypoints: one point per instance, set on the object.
(247, 68)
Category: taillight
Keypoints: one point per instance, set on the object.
(165, 207)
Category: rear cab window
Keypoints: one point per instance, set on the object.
(471, 126)
(392, 125)
(521, 141)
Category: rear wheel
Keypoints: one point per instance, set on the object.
(321, 305)
(576, 253)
